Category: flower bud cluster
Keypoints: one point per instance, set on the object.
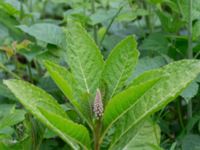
(98, 105)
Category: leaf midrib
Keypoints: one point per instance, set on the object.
(122, 73)
(83, 74)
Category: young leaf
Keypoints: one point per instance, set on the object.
(33, 97)
(119, 65)
(63, 78)
(177, 76)
(84, 59)
(66, 128)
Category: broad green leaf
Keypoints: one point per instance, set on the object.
(146, 137)
(119, 66)
(12, 118)
(33, 97)
(45, 32)
(63, 78)
(66, 128)
(84, 58)
(124, 101)
(178, 75)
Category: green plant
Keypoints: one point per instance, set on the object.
(113, 113)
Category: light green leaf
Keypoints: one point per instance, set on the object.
(84, 59)
(119, 65)
(12, 118)
(33, 97)
(63, 78)
(66, 128)
(45, 32)
(124, 101)
(177, 77)
(146, 137)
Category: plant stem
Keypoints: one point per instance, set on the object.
(198, 53)
(97, 135)
(95, 26)
(110, 24)
(180, 113)
(21, 10)
(147, 17)
(30, 72)
(179, 7)
(30, 6)
(190, 51)
(8, 71)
